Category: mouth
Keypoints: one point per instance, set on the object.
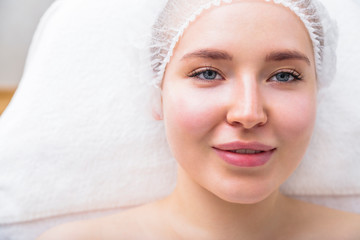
(242, 147)
(245, 154)
(245, 151)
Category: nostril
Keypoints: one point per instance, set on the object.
(247, 119)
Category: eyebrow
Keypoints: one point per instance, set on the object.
(287, 55)
(222, 55)
(209, 53)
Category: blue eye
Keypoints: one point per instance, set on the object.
(286, 76)
(207, 75)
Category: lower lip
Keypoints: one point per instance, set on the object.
(245, 160)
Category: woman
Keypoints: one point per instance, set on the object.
(238, 99)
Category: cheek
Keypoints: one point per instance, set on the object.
(188, 118)
(190, 112)
(295, 117)
(292, 125)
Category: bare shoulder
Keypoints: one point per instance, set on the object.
(76, 230)
(328, 223)
(130, 224)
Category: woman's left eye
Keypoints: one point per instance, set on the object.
(207, 75)
(286, 76)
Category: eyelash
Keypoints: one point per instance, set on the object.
(196, 73)
(295, 74)
(292, 72)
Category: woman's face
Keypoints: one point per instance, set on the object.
(239, 99)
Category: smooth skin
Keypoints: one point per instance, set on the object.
(241, 72)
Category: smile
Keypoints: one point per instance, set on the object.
(244, 155)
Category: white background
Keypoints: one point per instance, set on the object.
(18, 21)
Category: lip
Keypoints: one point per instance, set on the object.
(244, 160)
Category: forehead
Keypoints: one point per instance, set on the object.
(245, 26)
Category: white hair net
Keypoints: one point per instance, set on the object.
(178, 14)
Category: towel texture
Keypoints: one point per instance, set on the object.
(79, 136)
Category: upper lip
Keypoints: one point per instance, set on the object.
(236, 145)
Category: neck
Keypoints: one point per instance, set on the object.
(195, 210)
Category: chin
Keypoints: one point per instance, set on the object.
(246, 195)
(246, 199)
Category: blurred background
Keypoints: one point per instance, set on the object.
(18, 21)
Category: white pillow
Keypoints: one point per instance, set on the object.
(78, 135)
(79, 128)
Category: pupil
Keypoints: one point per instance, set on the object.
(283, 77)
(209, 74)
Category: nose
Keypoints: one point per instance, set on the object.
(246, 107)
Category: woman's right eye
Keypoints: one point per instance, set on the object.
(207, 75)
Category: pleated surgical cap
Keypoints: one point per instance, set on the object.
(178, 14)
